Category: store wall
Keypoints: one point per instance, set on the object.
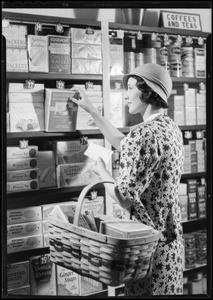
(146, 17)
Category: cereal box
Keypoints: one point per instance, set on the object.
(26, 117)
(60, 112)
(38, 53)
(47, 172)
(42, 275)
(21, 163)
(59, 54)
(15, 36)
(76, 174)
(17, 152)
(18, 275)
(24, 243)
(24, 229)
(73, 151)
(26, 214)
(17, 60)
(22, 186)
(22, 175)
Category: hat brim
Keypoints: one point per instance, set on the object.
(152, 85)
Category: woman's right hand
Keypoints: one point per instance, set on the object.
(83, 100)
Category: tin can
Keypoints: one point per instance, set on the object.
(187, 60)
(139, 59)
(201, 255)
(175, 68)
(189, 240)
(190, 258)
(129, 61)
(150, 55)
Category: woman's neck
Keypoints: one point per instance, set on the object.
(150, 110)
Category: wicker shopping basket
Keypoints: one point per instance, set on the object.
(107, 259)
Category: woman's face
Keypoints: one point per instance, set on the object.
(132, 97)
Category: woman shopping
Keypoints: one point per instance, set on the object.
(151, 163)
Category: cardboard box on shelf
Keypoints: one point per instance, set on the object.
(24, 243)
(17, 60)
(17, 152)
(21, 164)
(86, 66)
(24, 229)
(38, 53)
(22, 175)
(18, 275)
(47, 169)
(25, 214)
(15, 36)
(22, 186)
(60, 112)
(82, 35)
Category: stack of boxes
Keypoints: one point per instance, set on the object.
(190, 105)
(26, 107)
(22, 169)
(86, 52)
(24, 229)
(18, 278)
(176, 109)
(116, 53)
(16, 47)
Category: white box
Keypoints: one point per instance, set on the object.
(81, 35)
(18, 275)
(116, 56)
(176, 102)
(22, 175)
(47, 170)
(26, 117)
(177, 116)
(201, 99)
(86, 66)
(22, 186)
(15, 35)
(37, 88)
(73, 151)
(116, 108)
(38, 53)
(17, 152)
(190, 116)
(22, 215)
(17, 60)
(190, 97)
(21, 164)
(76, 174)
(42, 276)
(24, 229)
(182, 189)
(24, 243)
(88, 51)
(200, 62)
(201, 115)
(25, 97)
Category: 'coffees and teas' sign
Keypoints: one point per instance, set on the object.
(169, 19)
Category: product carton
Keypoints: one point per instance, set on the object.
(47, 170)
(22, 186)
(17, 60)
(200, 62)
(76, 174)
(38, 53)
(190, 97)
(192, 206)
(201, 202)
(59, 54)
(42, 276)
(177, 116)
(116, 108)
(60, 112)
(73, 151)
(24, 229)
(15, 36)
(176, 102)
(116, 56)
(190, 116)
(86, 66)
(82, 35)
(18, 92)
(18, 275)
(22, 215)
(84, 119)
(17, 152)
(21, 164)
(26, 116)
(22, 175)
(125, 229)
(88, 51)
(24, 243)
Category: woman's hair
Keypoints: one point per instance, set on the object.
(148, 95)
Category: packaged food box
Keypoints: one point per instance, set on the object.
(15, 35)
(183, 199)
(190, 97)
(76, 174)
(38, 53)
(18, 275)
(60, 113)
(116, 56)
(22, 186)
(21, 163)
(22, 175)
(59, 54)
(42, 276)
(176, 102)
(26, 117)
(24, 243)
(24, 229)
(200, 62)
(70, 283)
(17, 152)
(47, 170)
(17, 60)
(116, 109)
(22, 215)
(73, 151)
(88, 51)
(85, 35)
(86, 66)
(18, 92)
(85, 120)
(125, 229)
(177, 116)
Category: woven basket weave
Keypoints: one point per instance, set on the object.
(107, 259)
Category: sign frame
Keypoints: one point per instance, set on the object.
(163, 22)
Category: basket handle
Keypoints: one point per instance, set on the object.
(82, 197)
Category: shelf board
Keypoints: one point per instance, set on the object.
(193, 175)
(17, 76)
(23, 255)
(196, 268)
(201, 220)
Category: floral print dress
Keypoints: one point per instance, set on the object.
(151, 164)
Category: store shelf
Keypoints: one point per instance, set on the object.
(25, 255)
(198, 267)
(194, 225)
(193, 175)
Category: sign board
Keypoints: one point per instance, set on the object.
(171, 19)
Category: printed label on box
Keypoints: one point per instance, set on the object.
(24, 243)
(26, 214)
(17, 152)
(67, 282)
(22, 175)
(18, 275)
(38, 53)
(47, 171)
(24, 229)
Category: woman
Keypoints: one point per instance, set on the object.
(151, 163)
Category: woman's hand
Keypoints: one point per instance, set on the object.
(83, 101)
